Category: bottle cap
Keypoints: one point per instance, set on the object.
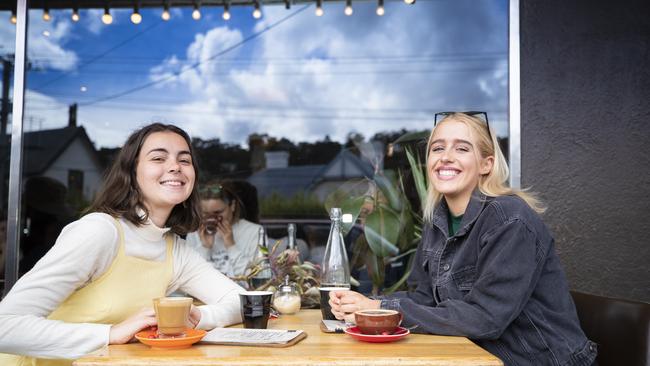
(335, 213)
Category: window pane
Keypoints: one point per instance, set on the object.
(297, 105)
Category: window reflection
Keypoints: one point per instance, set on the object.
(293, 104)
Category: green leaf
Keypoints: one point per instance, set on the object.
(350, 197)
(419, 176)
(376, 271)
(381, 231)
(390, 191)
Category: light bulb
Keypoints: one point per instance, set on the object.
(226, 15)
(136, 18)
(107, 18)
(75, 15)
(46, 15)
(13, 19)
(196, 14)
(165, 15)
(380, 10)
(410, 2)
(348, 10)
(319, 11)
(257, 14)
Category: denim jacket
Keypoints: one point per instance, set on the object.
(497, 281)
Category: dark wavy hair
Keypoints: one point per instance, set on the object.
(120, 195)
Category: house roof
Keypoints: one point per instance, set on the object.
(302, 178)
(285, 181)
(345, 157)
(42, 148)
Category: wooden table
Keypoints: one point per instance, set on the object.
(317, 349)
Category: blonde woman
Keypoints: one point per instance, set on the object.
(486, 267)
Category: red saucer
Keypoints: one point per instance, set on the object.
(380, 338)
(150, 338)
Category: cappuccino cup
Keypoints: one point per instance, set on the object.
(378, 321)
(172, 314)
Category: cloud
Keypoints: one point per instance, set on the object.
(310, 76)
(315, 76)
(45, 52)
(91, 20)
(43, 112)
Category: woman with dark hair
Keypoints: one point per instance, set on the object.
(95, 286)
(225, 239)
(486, 268)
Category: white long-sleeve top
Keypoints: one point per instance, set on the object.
(234, 260)
(83, 251)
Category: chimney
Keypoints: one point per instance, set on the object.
(72, 115)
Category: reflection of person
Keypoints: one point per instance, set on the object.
(363, 267)
(95, 286)
(46, 213)
(486, 267)
(233, 242)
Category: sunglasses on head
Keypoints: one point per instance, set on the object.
(478, 114)
(211, 189)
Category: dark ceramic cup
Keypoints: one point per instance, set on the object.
(378, 321)
(255, 308)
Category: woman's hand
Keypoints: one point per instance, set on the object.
(345, 303)
(125, 331)
(195, 316)
(207, 240)
(224, 228)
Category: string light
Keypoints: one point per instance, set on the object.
(348, 8)
(319, 8)
(226, 11)
(165, 14)
(13, 19)
(46, 14)
(380, 7)
(136, 18)
(107, 18)
(196, 13)
(257, 13)
(410, 2)
(75, 14)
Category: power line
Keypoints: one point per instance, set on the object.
(95, 58)
(228, 49)
(312, 72)
(430, 57)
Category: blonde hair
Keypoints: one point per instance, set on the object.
(493, 184)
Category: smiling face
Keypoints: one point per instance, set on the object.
(454, 164)
(164, 173)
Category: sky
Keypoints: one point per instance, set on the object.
(288, 74)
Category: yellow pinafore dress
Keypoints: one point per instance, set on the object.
(128, 285)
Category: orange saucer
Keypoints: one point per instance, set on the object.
(150, 338)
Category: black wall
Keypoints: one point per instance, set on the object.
(585, 79)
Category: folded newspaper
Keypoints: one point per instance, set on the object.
(250, 336)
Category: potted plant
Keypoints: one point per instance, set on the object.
(391, 228)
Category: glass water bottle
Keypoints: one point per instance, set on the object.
(264, 275)
(335, 268)
(291, 235)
